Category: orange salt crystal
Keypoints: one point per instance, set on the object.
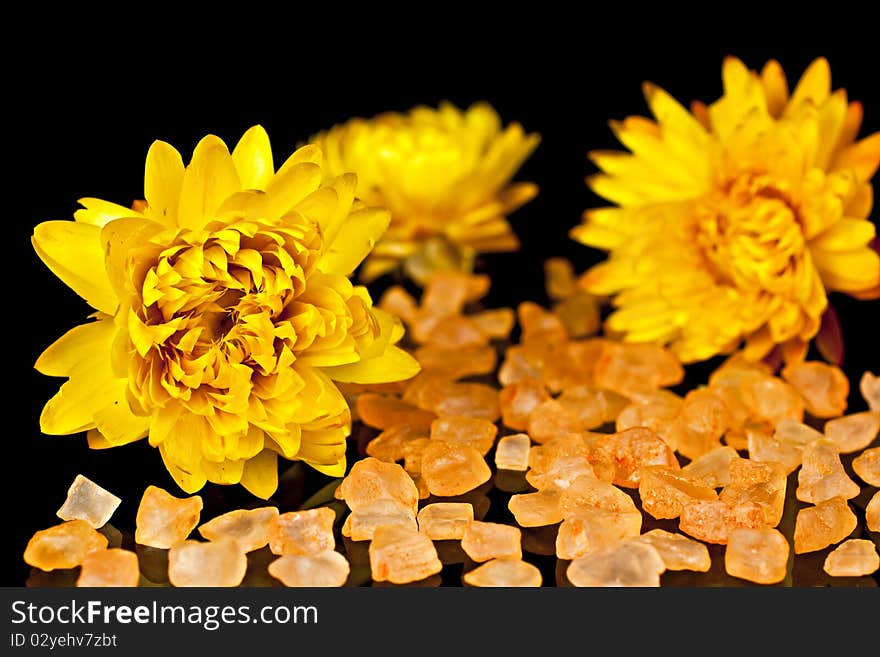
(590, 529)
(444, 521)
(573, 363)
(536, 509)
(796, 433)
(665, 491)
(113, 567)
(678, 552)
(448, 291)
(869, 386)
(867, 466)
(761, 484)
(218, 563)
(819, 526)
(853, 432)
(633, 449)
(87, 501)
(588, 404)
(771, 400)
(163, 520)
(823, 387)
(579, 314)
(702, 421)
(421, 486)
(872, 514)
(362, 524)
(518, 400)
(559, 279)
(656, 410)
(412, 454)
(469, 399)
(512, 452)
(538, 323)
(63, 546)
(625, 563)
(631, 368)
(457, 363)
(757, 555)
(822, 475)
(712, 521)
(496, 323)
(389, 445)
(712, 468)
(478, 433)
(370, 479)
(453, 469)
(559, 462)
(587, 492)
(505, 573)
(398, 301)
(482, 541)
(383, 411)
(765, 447)
(457, 332)
(601, 460)
(249, 527)
(853, 558)
(400, 555)
(302, 532)
(325, 569)
(520, 364)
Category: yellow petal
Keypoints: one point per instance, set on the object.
(355, 239)
(253, 159)
(118, 425)
(394, 365)
(83, 343)
(226, 472)
(308, 153)
(334, 470)
(260, 475)
(125, 243)
(813, 87)
(285, 191)
(775, 87)
(91, 387)
(73, 252)
(597, 236)
(848, 271)
(208, 181)
(98, 212)
(190, 482)
(163, 177)
(863, 157)
(844, 235)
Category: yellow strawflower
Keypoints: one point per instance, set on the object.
(445, 176)
(224, 314)
(734, 221)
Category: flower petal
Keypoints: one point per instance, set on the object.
(163, 178)
(84, 343)
(355, 239)
(394, 365)
(252, 157)
(92, 386)
(98, 213)
(190, 482)
(208, 181)
(260, 475)
(73, 252)
(813, 87)
(845, 235)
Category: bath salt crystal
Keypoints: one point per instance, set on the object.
(587, 492)
(63, 546)
(302, 532)
(505, 573)
(385, 411)
(113, 567)
(817, 527)
(512, 452)
(633, 449)
(623, 564)
(518, 400)
(362, 524)
(822, 475)
(867, 466)
(250, 527)
(443, 521)
(371, 479)
(869, 386)
(476, 432)
(872, 514)
(853, 558)
(400, 555)
(712, 468)
(453, 469)
(678, 552)
(664, 491)
(87, 501)
(216, 563)
(757, 555)
(323, 569)
(536, 509)
(482, 541)
(853, 432)
(823, 387)
(590, 529)
(163, 520)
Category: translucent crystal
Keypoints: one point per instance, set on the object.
(87, 501)
(872, 514)
(817, 527)
(559, 279)
(678, 552)
(457, 332)
(518, 400)
(712, 521)
(768, 448)
(823, 387)
(587, 492)
(591, 528)
(249, 527)
(656, 410)
(869, 386)
(822, 475)
(504, 572)
(537, 323)
(559, 462)
(512, 452)
(478, 433)
(113, 567)
(399, 555)
(760, 484)
(163, 520)
(412, 455)
(370, 479)
(867, 466)
(362, 524)
(324, 569)
(385, 411)
(453, 469)
(626, 563)
(664, 491)
(457, 363)
(302, 532)
(397, 301)
(389, 445)
(853, 432)
(482, 541)
(551, 419)
(853, 558)
(712, 468)
(536, 509)
(757, 555)
(63, 546)
(588, 404)
(445, 520)
(772, 400)
(469, 399)
(634, 449)
(630, 368)
(496, 323)
(218, 563)
(698, 427)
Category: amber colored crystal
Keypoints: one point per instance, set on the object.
(384, 411)
(559, 462)
(702, 421)
(766, 447)
(518, 400)
(656, 410)
(664, 491)
(512, 452)
(712, 521)
(853, 558)
(817, 527)
(302, 532)
(163, 520)
(592, 528)
(457, 332)
(482, 541)
(504, 573)
(456, 363)
(87, 501)
(217, 563)
(625, 563)
(249, 527)
(370, 479)
(757, 555)
(867, 466)
(853, 432)
(771, 400)
(823, 387)
(412, 455)
(633, 449)
(362, 524)
(631, 368)
(551, 419)
(443, 521)
(678, 552)
(469, 399)
(389, 445)
(113, 567)
(869, 386)
(63, 546)
(712, 468)
(760, 484)
(587, 492)
(872, 514)
(478, 433)
(496, 323)
(400, 555)
(822, 475)
(536, 509)
(324, 569)
(453, 469)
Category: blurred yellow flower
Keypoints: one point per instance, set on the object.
(445, 176)
(735, 220)
(224, 314)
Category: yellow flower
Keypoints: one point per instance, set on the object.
(224, 314)
(445, 176)
(735, 221)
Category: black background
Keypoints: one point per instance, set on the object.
(84, 107)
